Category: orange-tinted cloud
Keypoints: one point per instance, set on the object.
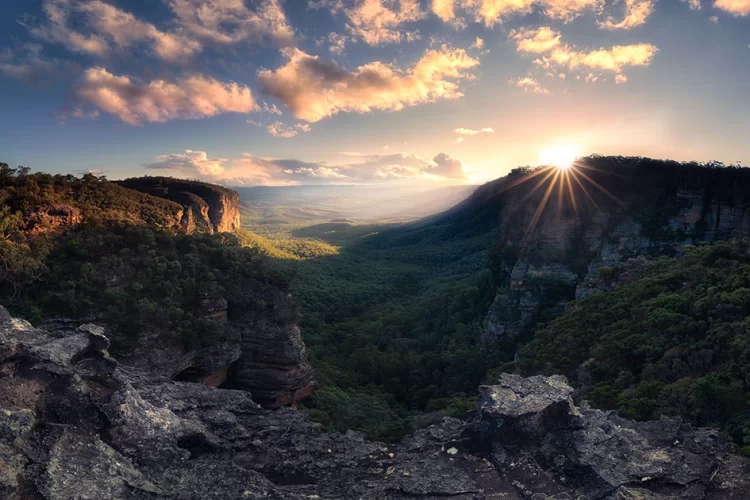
(491, 12)
(376, 21)
(108, 27)
(278, 129)
(253, 170)
(536, 41)
(314, 89)
(636, 13)
(547, 42)
(161, 101)
(529, 84)
(233, 21)
(734, 7)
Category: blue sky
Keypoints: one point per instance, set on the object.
(367, 91)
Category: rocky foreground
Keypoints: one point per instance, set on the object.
(74, 424)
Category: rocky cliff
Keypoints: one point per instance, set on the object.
(557, 228)
(75, 424)
(208, 207)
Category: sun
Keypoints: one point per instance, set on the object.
(561, 156)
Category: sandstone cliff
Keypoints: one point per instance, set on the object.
(75, 424)
(556, 229)
(208, 207)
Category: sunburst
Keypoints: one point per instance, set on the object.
(565, 176)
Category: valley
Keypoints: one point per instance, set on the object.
(627, 276)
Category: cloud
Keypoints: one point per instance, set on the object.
(133, 102)
(694, 4)
(108, 26)
(478, 44)
(491, 12)
(252, 170)
(636, 13)
(314, 89)
(734, 7)
(232, 21)
(190, 163)
(376, 22)
(714, 19)
(469, 131)
(557, 54)
(529, 84)
(444, 9)
(278, 129)
(337, 43)
(29, 64)
(536, 41)
(406, 166)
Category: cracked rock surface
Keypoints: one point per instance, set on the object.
(75, 424)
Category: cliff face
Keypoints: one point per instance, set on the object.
(76, 424)
(556, 229)
(261, 353)
(208, 208)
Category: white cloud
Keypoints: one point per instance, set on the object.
(337, 43)
(469, 131)
(107, 26)
(536, 41)
(444, 9)
(278, 129)
(252, 170)
(28, 63)
(491, 12)
(694, 4)
(376, 21)
(734, 7)
(478, 44)
(548, 42)
(529, 84)
(314, 89)
(233, 21)
(134, 102)
(636, 13)
(190, 163)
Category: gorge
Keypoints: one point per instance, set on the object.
(382, 332)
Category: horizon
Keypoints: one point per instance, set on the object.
(368, 92)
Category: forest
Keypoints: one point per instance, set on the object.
(675, 341)
(393, 315)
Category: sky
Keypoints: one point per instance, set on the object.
(433, 92)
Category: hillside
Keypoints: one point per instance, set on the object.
(672, 339)
(208, 208)
(179, 296)
(397, 322)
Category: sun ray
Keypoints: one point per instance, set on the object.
(542, 204)
(570, 192)
(585, 191)
(601, 188)
(561, 191)
(539, 184)
(526, 178)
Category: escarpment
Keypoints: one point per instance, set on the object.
(556, 228)
(208, 207)
(75, 424)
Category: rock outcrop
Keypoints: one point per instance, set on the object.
(208, 207)
(618, 209)
(75, 424)
(260, 353)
